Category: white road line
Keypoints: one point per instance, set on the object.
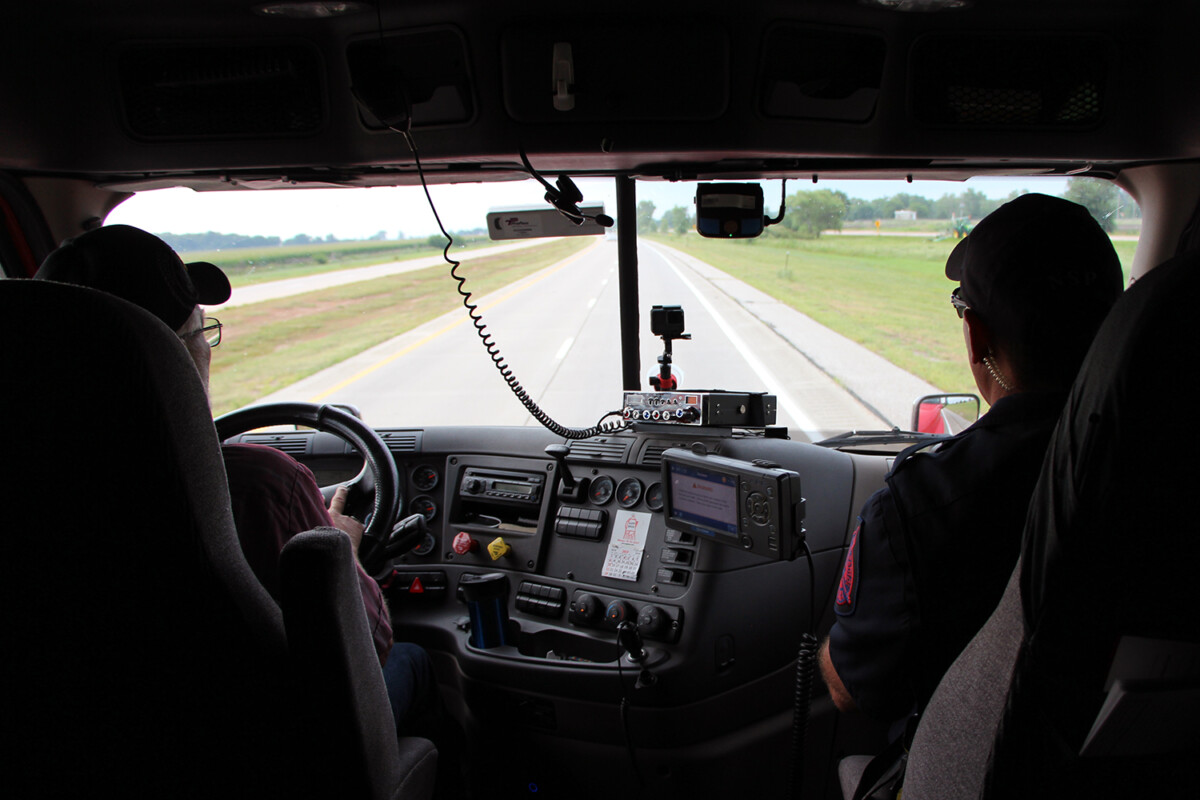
(562, 351)
(760, 369)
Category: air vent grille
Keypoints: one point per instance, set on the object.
(1009, 82)
(400, 441)
(188, 91)
(610, 450)
(292, 444)
(652, 455)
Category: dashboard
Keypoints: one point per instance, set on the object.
(720, 627)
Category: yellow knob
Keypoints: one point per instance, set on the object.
(498, 548)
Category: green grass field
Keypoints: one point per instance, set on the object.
(267, 346)
(888, 293)
(250, 265)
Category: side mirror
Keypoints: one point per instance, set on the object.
(944, 413)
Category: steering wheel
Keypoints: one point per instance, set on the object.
(377, 484)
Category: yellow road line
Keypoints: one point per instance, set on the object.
(464, 318)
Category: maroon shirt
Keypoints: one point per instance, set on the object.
(275, 497)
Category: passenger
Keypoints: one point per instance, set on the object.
(273, 496)
(934, 548)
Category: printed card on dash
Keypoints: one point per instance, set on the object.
(626, 544)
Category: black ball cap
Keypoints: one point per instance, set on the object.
(1034, 255)
(139, 267)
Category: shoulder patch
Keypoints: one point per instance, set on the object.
(848, 588)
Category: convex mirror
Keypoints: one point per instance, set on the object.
(944, 413)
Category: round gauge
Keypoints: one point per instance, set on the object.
(424, 506)
(629, 491)
(601, 490)
(654, 497)
(426, 546)
(425, 477)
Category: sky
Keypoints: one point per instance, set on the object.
(361, 213)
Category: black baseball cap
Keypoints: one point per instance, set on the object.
(1037, 258)
(139, 267)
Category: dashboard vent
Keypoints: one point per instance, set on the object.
(190, 91)
(652, 455)
(400, 441)
(1040, 81)
(292, 444)
(612, 450)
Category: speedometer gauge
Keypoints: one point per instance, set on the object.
(601, 490)
(424, 506)
(629, 492)
(425, 477)
(654, 497)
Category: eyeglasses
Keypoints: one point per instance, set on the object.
(211, 331)
(959, 304)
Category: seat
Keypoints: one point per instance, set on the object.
(1085, 682)
(143, 657)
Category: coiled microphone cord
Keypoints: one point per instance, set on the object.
(485, 336)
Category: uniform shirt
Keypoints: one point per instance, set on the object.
(932, 554)
(275, 497)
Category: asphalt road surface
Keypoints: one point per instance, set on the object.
(558, 332)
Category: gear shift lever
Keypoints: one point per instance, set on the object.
(629, 638)
(570, 489)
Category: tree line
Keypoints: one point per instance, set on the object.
(211, 240)
(811, 212)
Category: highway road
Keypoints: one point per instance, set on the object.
(558, 331)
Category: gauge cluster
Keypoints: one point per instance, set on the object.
(630, 492)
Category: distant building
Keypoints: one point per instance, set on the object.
(905, 214)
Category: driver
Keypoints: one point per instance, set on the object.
(273, 496)
(934, 548)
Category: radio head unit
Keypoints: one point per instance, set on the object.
(752, 506)
(497, 486)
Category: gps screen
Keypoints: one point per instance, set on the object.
(704, 498)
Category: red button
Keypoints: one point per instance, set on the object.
(417, 587)
(463, 543)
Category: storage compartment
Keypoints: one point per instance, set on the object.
(682, 74)
(559, 645)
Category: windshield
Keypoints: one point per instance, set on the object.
(342, 296)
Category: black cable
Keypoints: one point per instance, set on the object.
(812, 590)
(568, 207)
(533, 172)
(493, 350)
(489, 344)
(782, 206)
(623, 710)
(806, 671)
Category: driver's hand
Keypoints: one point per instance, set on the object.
(352, 527)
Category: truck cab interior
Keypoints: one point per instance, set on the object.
(679, 664)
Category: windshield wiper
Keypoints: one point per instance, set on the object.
(894, 436)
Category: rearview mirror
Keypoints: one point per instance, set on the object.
(944, 413)
(729, 210)
(536, 223)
